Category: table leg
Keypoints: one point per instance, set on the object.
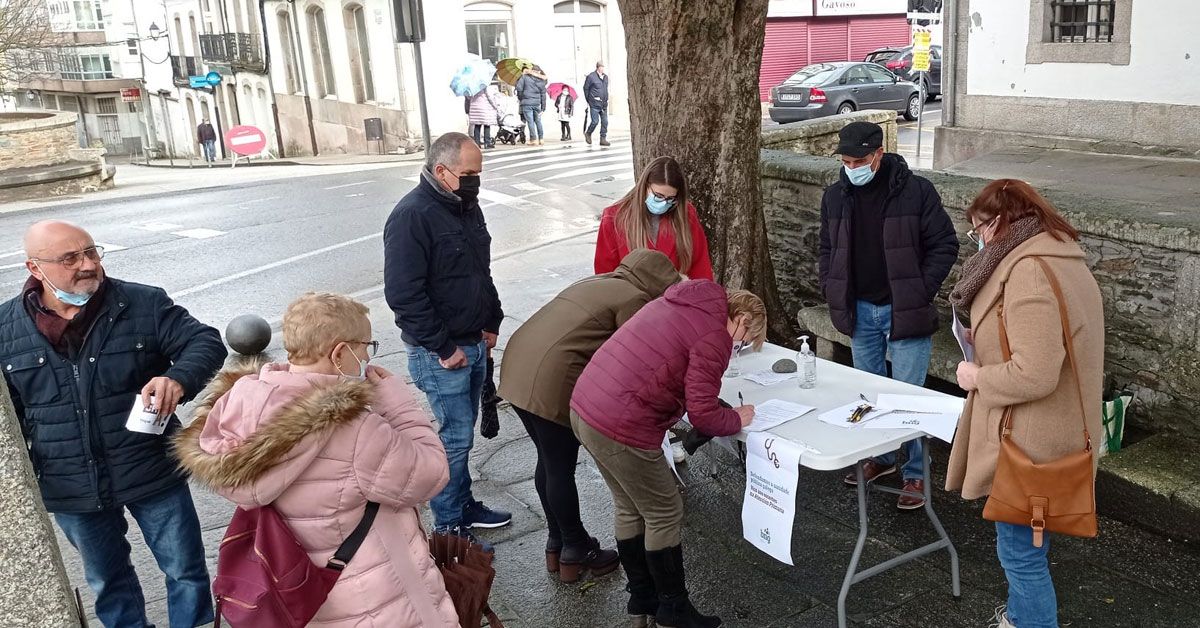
(937, 525)
(852, 569)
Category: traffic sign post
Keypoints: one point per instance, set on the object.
(921, 64)
(245, 141)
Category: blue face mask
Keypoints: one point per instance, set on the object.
(70, 298)
(656, 206)
(861, 175)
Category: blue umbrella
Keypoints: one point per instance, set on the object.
(473, 77)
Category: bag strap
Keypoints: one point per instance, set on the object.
(1068, 344)
(350, 546)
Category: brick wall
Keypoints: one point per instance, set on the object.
(36, 142)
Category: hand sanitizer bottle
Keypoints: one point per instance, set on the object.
(807, 361)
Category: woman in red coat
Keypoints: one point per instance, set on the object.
(667, 359)
(650, 216)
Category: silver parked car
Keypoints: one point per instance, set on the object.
(826, 89)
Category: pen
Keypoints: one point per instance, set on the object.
(740, 400)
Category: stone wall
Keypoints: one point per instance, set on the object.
(820, 136)
(36, 139)
(1145, 257)
(339, 127)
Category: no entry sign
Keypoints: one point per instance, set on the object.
(245, 140)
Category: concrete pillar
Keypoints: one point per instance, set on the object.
(34, 590)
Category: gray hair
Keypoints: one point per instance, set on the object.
(446, 150)
(599, 64)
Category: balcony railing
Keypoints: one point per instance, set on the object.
(241, 51)
(182, 68)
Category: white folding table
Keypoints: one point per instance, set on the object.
(839, 447)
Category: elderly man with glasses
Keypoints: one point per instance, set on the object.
(76, 348)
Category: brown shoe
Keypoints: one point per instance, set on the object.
(604, 142)
(871, 471)
(574, 561)
(914, 495)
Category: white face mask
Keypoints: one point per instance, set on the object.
(362, 367)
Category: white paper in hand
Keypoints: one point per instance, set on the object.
(669, 454)
(145, 422)
(960, 334)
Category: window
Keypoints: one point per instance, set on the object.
(1081, 21)
(87, 67)
(288, 46)
(1079, 31)
(318, 43)
(89, 16)
(813, 75)
(360, 53)
(857, 75)
(106, 105)
(489, 30)
(251, 16)
(879, 75)
(132, 45)
(583, 6)
(133, 107)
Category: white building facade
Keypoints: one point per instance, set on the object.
(1122, 72)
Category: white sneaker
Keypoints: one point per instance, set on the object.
(678, 452)
(1000, 619)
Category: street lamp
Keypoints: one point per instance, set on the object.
(155, 31)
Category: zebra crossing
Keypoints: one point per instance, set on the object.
(574, 165)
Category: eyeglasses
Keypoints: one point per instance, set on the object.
(973, 234)
(372, 346)
(660, 197)
(74, 259)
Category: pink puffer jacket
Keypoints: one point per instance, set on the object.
(317, 449)
(485, 107)
(668, 358)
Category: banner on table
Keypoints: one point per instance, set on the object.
(769, 505)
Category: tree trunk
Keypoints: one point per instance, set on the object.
(693, 95)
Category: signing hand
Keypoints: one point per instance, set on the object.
(456, 361)
(161, 395)
(746, 413)
(491, 339)
(968, 374)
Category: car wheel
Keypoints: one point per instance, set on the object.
(914, 107)
(846, 107)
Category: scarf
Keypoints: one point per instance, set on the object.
(977, 270)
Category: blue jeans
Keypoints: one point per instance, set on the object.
(210, 150)
(454, 398)
(172, 531)
(533, 122)
(1031, 599)
(871, 348)
(599, 115)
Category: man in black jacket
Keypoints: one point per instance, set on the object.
(595, 91)
(438, 281)
(887, 245)
(76, 347)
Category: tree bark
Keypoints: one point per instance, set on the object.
(693, 94)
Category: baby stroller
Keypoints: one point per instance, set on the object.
(512, 129)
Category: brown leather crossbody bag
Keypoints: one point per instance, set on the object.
(1057, 496)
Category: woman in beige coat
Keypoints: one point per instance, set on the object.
(1014, 227)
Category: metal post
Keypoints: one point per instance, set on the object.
(144, 100)
(421, 94)
(921, 114)
(312, 130)
(262, 18)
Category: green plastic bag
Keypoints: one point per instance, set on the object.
(1114, 421)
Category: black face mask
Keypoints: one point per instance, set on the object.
(468, 188)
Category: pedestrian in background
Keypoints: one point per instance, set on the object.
(667, 359)
(595, 92)
(1025, 248)
(542, 361)
(76, 348)
(438, 282)
(206, 135)
(531, 91)
(565, 105)
(886, 246)
(484, 110)
(317, 438)
(656, 214)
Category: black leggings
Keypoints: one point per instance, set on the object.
(566, 129)
(554, 477)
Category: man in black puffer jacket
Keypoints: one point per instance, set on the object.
(887, 245)
(76, 347)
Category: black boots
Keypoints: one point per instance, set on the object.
(675, 610)
(643, 597)
(573, 561)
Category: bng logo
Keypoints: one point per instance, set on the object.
(765, 533)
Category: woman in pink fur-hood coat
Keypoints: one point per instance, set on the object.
(317, 448)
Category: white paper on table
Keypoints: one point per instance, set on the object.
(767, 377)
(769, 504)
(839, 416)
(920, 403)
(774, 413)
(669, 454)
(939, 426)
(960, 334)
